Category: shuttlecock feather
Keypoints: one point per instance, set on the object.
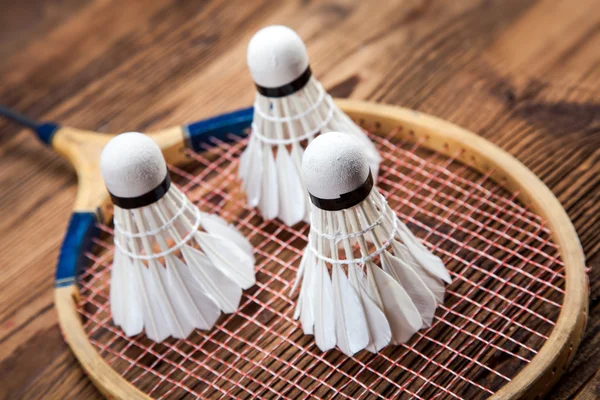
(175, 268)
(290, 109)
(366, 280)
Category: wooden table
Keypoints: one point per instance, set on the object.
(523, 74)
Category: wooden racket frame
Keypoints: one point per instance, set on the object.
(82, 149)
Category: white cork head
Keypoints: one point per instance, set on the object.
(334, 164)
(276, 56)
(132, 165)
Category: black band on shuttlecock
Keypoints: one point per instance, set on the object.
(286, 89)
(144, 200)
(345, 200)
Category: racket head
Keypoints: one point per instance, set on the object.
(512, 319)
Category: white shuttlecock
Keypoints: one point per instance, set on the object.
(175, 268)
(291, 108)
(385, 285)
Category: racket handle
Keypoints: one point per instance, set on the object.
(44, 130)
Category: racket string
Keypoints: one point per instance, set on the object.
(500, 252)
(433, 194)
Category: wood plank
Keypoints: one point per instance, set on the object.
(523, 74)
(592, 390)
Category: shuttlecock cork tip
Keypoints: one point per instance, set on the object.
(335, 165)
(132, 165)
(276, 56)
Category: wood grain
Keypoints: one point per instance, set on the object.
(591, 390)
(523, 74)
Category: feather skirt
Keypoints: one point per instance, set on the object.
(366, 280)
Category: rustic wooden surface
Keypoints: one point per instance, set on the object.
(523, 73)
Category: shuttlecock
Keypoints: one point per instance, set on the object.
(385, 285)
(291, 108)
(175, 268)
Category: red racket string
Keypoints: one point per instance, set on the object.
(505, 299)
(399, 185)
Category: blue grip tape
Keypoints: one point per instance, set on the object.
(200, 133)
(46, 131)
(78, 239)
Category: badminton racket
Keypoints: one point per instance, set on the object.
(512, 318)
